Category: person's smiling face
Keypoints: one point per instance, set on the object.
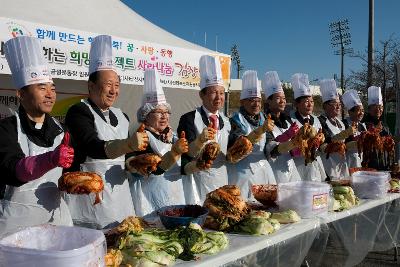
(158, 118)
(38, 99)
(104, 92)
(213, 97)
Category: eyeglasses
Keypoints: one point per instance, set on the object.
(161, 113)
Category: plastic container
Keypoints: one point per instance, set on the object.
(50, 246)
(307, 198)
(368, 184)
(182, 215)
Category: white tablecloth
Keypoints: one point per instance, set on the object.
(357, 228)
(246, 250)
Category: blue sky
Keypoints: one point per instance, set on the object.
(288, 36)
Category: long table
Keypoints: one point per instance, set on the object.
(365, 204)
(254, 250)
(357, 228)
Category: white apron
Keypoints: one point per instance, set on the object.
(352, 156)
(254, 169)
(283, 165)
(157, 191)
(198, 184)
(116, 203)
(38, 201)
(313, 171)
(335, 166)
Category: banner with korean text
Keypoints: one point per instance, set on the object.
(67, 51)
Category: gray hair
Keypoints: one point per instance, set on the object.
(144, 110)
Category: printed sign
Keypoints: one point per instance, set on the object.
(67, 52)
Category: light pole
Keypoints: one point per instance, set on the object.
(370, 43)
(341, 38)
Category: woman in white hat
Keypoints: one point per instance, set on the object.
(100, 133)
(32, 151)
(250, 121)
(304, 102)
(280, 141)
(354, 107)
(164, 186)
(334, 130)
(197, 126)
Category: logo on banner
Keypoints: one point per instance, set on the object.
(16, 29)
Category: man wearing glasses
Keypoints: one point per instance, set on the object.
(249, 121)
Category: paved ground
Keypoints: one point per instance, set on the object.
(335, 256)
(373, 259)
(385, 258)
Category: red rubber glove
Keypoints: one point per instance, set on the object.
(63, 155)
(288, 134)
(34, 167)
(296, 152)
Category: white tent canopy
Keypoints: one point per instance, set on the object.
(100, 16)
(104, 17)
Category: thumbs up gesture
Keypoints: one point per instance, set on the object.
(181, 146)
(63, 155)
(269, 124)
(207, 133)
(140, 139)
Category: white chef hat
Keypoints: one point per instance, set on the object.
(351, 99)
(271, 83)
(250, 87)
(153, 91)
(27, 63)
(301, 85)
(101, 54)
(328, 90)
(375, 96)
(210, 71)
(153, 95)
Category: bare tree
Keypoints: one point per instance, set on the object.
(236, 60)
(387, 55)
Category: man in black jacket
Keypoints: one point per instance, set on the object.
(32, 150)
(100, 133)
(373, 118)
(204, 124)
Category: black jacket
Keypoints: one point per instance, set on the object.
(370, 121)
(10, 149)
(375, 162)
(80, 123)
(186, 123)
